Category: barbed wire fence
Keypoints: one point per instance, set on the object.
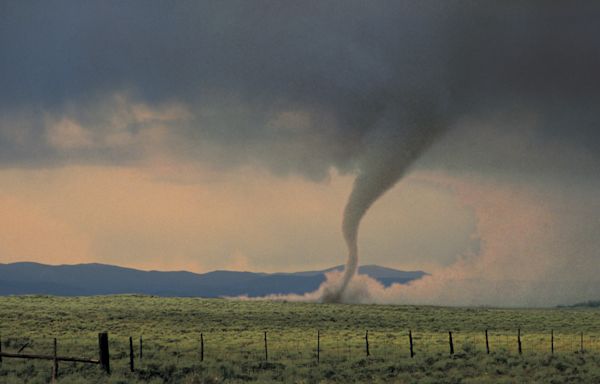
(129, 352)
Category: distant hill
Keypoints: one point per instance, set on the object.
(585, 304)
(101, 279)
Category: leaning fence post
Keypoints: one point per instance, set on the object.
(266, 348)
(55, 365)
(552, 341)
(201, 347)
(451, 343)
(318, 346)
(104, 353)
(519, 341)
(141, 348)
(412, 354)
(131, 354)
(487, 342)
(367, 343)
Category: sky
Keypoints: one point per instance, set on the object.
(228, 135)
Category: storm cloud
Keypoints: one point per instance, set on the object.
(295, 87)
(505, 91)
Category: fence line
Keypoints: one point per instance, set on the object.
(103, 361)
(331, 346)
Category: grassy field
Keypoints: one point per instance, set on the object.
(233, 332)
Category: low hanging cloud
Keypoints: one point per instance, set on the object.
(293, 88)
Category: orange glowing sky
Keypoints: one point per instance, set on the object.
(242, 220)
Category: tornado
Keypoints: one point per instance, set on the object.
(398, 138)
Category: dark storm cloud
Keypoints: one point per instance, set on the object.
(294, 86)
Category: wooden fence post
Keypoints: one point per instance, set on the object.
(318, 346)
(131, 368)
(412, 354)
(487, 342)
(519, 341)
(451, 342)
(201, 347)
(367, 343)
(141, 349)
(55, 361)
(104, 353)
(552, 341)
(266, 348)
(0, 349)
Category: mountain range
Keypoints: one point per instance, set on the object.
(25, 278)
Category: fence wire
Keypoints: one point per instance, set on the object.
(300, 346)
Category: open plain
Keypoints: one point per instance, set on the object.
(306, 342)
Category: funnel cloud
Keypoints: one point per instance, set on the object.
(398, 140)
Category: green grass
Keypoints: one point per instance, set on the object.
(233, 334)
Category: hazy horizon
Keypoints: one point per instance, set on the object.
(185, 270)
